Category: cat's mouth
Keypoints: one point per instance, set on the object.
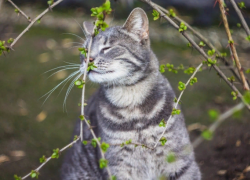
(97, 72)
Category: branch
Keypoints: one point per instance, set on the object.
(202, 38)
(231, 45)
(242, 19)
(169, 122)
(33, 21)
(19, 10)
(82, 103)
(48, 159)
(200, 50)
(217, 123)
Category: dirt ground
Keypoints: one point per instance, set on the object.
(227, 156)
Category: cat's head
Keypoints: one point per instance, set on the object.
(121, 54)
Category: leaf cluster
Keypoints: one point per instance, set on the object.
(100, 13)
(163, 141)
(182, 27)
(156, 15)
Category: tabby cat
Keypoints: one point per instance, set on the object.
(132, 100)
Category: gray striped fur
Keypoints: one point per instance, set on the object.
(132, 100)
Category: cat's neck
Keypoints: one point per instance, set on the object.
(131, 95)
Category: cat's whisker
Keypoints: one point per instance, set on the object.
(75, 35)
(52, 90)
(65, 84)
(74, 47)
(62, 70)
(68, 91)
(74, 43)
(80, 27)
(71, 63)
(62, 67)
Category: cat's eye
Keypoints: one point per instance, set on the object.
(105, 50)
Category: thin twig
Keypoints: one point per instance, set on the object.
(49, 158)
(32, 23)
(19, 10)
(202, 38)
(82, 103)
(232, 46)
(217, 123)
(200, 50)
(242, 19)
(170, 119)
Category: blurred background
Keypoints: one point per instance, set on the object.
(30, 129)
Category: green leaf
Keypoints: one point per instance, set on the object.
(248, 38)
(162, 68)
(175, 111)
(79, 83)
(34, 174)
(181, 86)
(190, 70)
(163, 141)
(162, 123)
(193, 80)
(234, 94)
(202, 44)
(91, 66)
(213, 114)
(81, 117)
(17, 177)
(171, 157)
(75, 137)
(210, 62)
(85, 142)
(231, 79)
(42, 159)
(172, 13)
(246, 97)
(238, 25)
(113, 178)
(55, 154)
(189, 45)
(156, 15)
(103, 163)
(128, 142)
(208, 135)
(104, 146)
(247, 71)
(94, 142)
(211, 52)
(10, 40)
(242, 5)
(182, 27)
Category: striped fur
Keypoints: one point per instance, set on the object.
(132, 100)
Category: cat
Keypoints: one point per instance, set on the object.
(132, 100)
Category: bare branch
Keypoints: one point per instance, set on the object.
(49, 158)
(170, 119)
(220, 120)
(231, 45)
(242, 19)
(33, 21)
(19, 10)
(200, 50)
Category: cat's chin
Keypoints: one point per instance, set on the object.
(100, 77)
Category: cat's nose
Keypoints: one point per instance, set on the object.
(90, 59)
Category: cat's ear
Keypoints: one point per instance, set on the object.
(137, 23)
(88, 27)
